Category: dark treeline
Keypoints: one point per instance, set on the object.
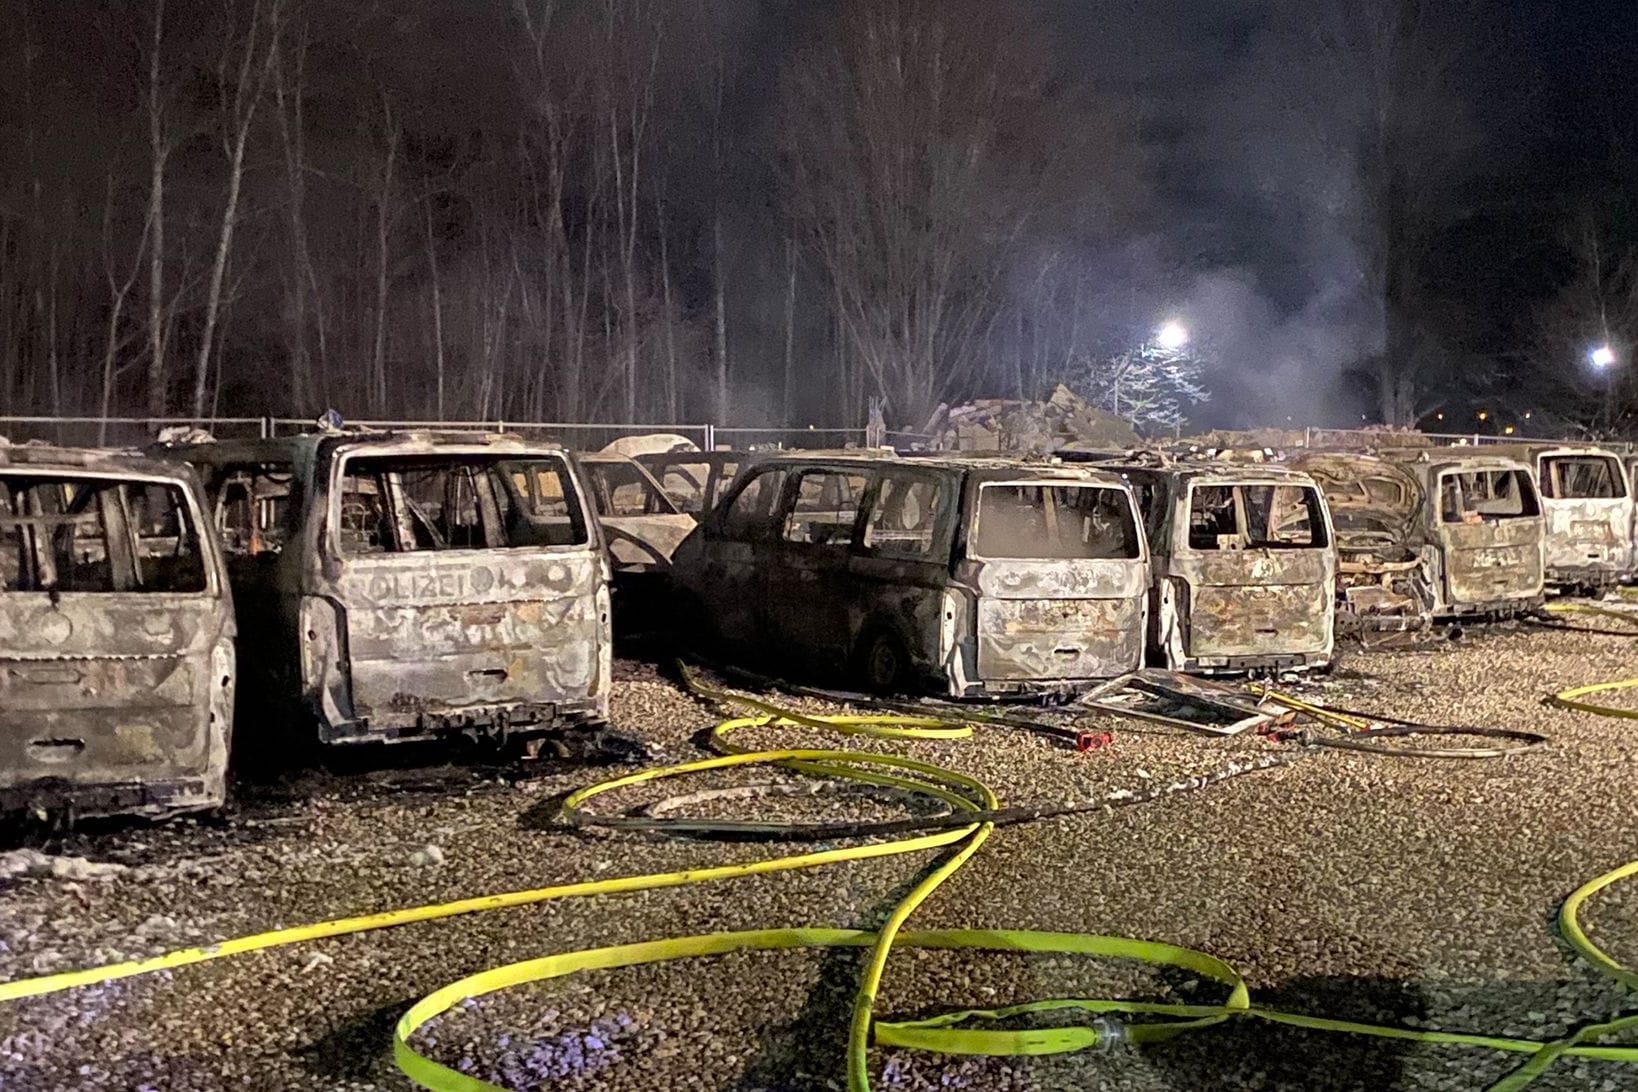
(764, 211)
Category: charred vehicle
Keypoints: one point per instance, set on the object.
(1431, 534)
(1588, 509)
(117, 667)
(641, 528)
(1244, 569)
(971, 576)
(400, 585)
(695, 480)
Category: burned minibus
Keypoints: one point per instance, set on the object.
(1588, 510)
(967, 576)
(405, 585)
(1244, 569)
(117, 666)
(1431, 534)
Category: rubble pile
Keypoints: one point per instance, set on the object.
(1286, 439)
(1065, 419)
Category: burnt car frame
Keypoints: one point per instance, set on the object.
(117, 659)
(1588, 509)
(1244, 569)
(1433, 534)
(966, 576)
(404, 585)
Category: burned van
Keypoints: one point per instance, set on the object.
(970, 576)
(1588, 509)
(403, 585)
(1426, 534)
(117, 667)
(1244, 569)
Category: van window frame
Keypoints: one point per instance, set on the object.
(717, 525)
(1138, 528)
(1321, 535)
(210, 557)
(792, 488)
(945, 525)
(337, 474)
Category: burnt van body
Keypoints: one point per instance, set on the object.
(117, 660)
(1244, 569)
(404, 585)
(1436, 534)
(1588, 512)
(966, 576)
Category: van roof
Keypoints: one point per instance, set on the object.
(1217, 471)
(102, 460)
(283, 449)
(989, 464)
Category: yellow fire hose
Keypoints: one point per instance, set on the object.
(946, 1033)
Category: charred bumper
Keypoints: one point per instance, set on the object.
(1585, 576)
(1230, 665)
(513, 720)
(149, 799)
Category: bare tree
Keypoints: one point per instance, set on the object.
(1377, 88)
(159, 150)
(914, 161)
(239, 89)
(1596, 309)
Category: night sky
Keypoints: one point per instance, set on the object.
(1356, 224)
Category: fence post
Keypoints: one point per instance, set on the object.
(710, 437)
(1308, 436)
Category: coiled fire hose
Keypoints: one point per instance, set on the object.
(947, 1033)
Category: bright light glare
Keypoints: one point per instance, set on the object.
(1173, 335)
(1602, 357)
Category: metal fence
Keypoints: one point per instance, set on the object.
(138, 431)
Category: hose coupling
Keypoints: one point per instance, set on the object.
(1112, 1034)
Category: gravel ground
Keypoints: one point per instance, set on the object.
(1415, 892)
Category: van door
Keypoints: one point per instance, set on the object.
(809, 589)
(1589, 514)
(1489, 532)
(1257, 573)
(116, 646)
(900, 570)
(1062, 581)
(723, 568)
(470, 598)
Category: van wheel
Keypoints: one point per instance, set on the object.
(882, 665)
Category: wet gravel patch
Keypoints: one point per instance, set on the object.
(1355, 886)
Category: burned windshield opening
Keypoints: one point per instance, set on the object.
(1255, 517)
(1056, 522)
(409, 503)
(75, 534)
